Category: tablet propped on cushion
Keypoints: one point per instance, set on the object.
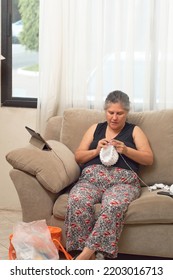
(37, 140)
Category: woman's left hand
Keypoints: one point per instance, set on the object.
(120, 146)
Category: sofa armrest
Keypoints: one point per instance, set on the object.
(36, 202)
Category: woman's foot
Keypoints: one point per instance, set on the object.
(93, 257)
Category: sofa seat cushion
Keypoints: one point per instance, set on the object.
(149, 208)
(54, 169)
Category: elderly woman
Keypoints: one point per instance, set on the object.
(115, 187)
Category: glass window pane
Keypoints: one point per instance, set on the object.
(25, 68)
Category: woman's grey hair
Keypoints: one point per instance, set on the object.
(117, 96)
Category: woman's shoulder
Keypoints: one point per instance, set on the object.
(97, 126)
(101, 125)
(100, 130)
(129, 127)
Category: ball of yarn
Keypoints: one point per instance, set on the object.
(108, 155)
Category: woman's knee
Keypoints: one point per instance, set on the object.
(78, 195)
(113, 206)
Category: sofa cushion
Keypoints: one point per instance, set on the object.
(75, 123)
(158, 126)
(149, 208)
(60, 206)
(54, 169)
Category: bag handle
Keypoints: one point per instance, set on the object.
(61, 248)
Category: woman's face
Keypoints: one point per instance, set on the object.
(116, 116)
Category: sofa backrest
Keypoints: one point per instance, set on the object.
(75, 123)
(157, 125)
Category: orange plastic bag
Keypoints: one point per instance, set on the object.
(56, 234)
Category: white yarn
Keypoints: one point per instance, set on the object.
(171, 188)
(161, 186)
(108, 155)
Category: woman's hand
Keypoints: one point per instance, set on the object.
(119, 146)
(101, 144)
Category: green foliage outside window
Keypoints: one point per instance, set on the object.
(29, 37)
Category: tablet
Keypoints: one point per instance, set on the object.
(37, 140)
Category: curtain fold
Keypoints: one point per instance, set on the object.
(91, 47)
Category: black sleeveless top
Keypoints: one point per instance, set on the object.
(125, 136)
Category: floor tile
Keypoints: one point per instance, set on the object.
(7, 220)
(3, 253)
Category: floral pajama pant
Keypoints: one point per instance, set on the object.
(115, 189)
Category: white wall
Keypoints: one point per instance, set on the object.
(12, 135)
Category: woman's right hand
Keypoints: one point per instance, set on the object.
(101, 144)
(83, 153)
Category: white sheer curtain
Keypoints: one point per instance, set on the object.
(91, 47)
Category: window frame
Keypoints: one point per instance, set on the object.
(6, 65)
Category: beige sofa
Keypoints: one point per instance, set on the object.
(41, 179)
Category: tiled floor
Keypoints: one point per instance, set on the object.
(7, 220)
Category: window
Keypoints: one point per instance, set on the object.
(19, 70)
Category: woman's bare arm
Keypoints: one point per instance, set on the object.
(83, 154)
(142, 154)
